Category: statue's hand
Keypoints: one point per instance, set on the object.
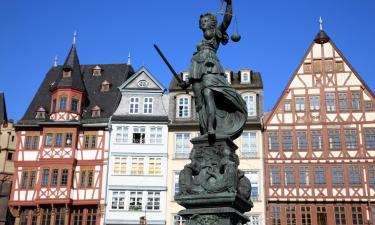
(228, 1)
(184, 85)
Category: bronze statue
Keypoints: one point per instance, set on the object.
(221, 110)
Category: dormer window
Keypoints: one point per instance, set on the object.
(97, 71)
(40, 113)
(185, 76)
(95, 111)
(67, 72)
(245, 77)
(62, 105)
(105, 86)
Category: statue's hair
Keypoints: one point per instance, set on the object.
(213, 19)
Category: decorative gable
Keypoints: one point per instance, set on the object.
(142, 80)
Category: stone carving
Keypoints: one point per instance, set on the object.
(203, 220)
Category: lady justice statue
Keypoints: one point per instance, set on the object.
(221, 110)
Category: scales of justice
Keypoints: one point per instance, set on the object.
(212, 188)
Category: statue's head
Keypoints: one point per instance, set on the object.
(208, 21)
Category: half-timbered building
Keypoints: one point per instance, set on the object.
(183, 126)
(319, 144)
(62, 145)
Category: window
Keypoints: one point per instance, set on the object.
(340, 66)
(228, 76)
(273, 142)
(60, 216)
(287, 106)
(156, 135)
(93, 141)
(45, 216)
(355, 175)
(25, 175)
(62, 103)
(105, 86)
(330, 102)
(249, 146)
(287, 140)
(135, 203)
(182, 145)
(86, 178)
(291, 215)
(139, 135)
(134, 105)
(119, 166)
(321, 215)
(301, 140)
(74, 105)
(338, 175)
(154, 166)
(137, 166)
(97, 71)
(68, 139)
(86, 143)
(67, 73)
(176, 184)
(54, 177)
(90, 141)
(304, 175)
(357, 215)
(245, 77)
(319, 175)
(253, 176)
(250, 104)
(53, 105)
(45, 179)
(306, 215)
(28, 142)
(276, 215)
(35, 145)
(343, 102)
(118, 200)
(64, 177)
(307, 67)
(356, 101)
(183, 107)
(58, 139)
(91, 217)
(275, 176)
(314, 103)
(77, 216)
(289, 176)
(178, 220)
(95, 111)
(253, 220)
(10, 156)
(32, 179)
(142, 83)
(372, 175)
(317, 66)
(185, 76)
(48, 141)
(121, 134)
(153, 200)
(329, 66)
(340, 215)
(370, 138)
(316, 140)
(368, 106)
(334, 139)
(350, 139)
(147, 105)
(299, 104)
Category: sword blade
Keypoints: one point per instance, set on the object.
(168, 64)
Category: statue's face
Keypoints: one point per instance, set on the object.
(205, 23)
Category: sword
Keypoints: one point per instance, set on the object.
(180, 82)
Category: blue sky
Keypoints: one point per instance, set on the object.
(275, 36)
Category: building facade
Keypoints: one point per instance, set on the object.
(62, 145)
(137, 175)
(183, 125)
(319, 144)
(7, 149)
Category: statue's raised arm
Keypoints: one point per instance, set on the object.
(227, 16)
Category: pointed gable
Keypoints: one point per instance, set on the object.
(323, 69)
(142, 80)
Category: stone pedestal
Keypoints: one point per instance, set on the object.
(212, 189)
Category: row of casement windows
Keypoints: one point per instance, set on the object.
(183, 106)
(316, 138)
(355, 174)
(249, 144)
(137, 166)
(136, 200)
(253, 176)
(74, 104)
(59, 140)
(78, 216)
(333, 102)
(135, 102)
(55, 178)
(321, 215)
(138, 135)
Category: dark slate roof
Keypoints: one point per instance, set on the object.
(321, 37)
(71, 64)
(255, 77)
(3, 110)
(140, 118)
(116, 74)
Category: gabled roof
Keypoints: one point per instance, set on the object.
(71, 64)
(320, 38)
(3, 110)
(116, 74)
(141, 71)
